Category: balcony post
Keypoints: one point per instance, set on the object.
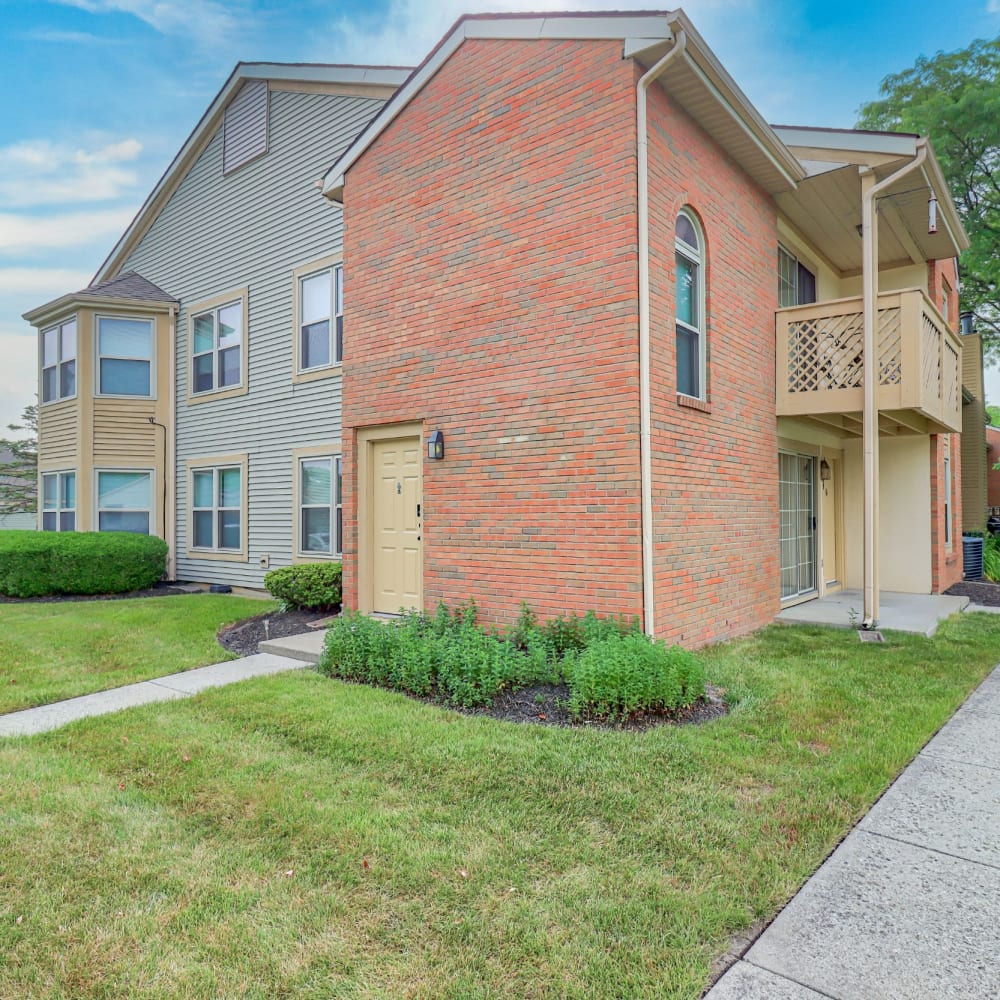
(869, 292)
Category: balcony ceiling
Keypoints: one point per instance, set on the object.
(826, 208)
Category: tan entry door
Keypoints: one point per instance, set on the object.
(397, 570)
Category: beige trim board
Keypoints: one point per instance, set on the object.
(298, 273)
(212, 462)
(332, 450)
(205, 305)
(366, 439)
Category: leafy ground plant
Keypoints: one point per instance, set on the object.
(298, 837)
(611, 669)
(49, 652)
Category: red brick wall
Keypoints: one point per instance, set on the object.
(715, 488)
(947, 270)
(490, 260)
(946, 565)
(992, 475)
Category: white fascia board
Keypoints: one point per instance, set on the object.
(391, 76)
(849, 140)
(501, 28)
(210, 119)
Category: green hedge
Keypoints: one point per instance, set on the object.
(39, 563)
(312, 586)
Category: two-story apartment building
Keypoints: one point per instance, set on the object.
(193, 390)
(573, 325)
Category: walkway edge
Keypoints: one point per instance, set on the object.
(45, 718)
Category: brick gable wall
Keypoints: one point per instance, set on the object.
(715, 468)
(490, 291)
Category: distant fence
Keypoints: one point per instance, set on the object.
(19, 522)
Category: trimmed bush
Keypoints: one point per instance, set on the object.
(40, 563)
(616, 676)
(311, 586)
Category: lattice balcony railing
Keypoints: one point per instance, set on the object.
(821, 359)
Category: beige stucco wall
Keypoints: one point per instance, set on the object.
(904, 514)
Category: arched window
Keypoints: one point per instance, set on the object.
(690, 259)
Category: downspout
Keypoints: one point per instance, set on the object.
(645, 408)
(170, 454)
(869, 285)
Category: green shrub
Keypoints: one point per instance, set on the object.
(617, 675)
(991, 558)
(312, 586)
(612, 669)
(40, 563)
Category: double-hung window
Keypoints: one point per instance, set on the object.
(124, 501)
(320, 318)
(124, 356)
(59, 361)
(217, 348)
(690, 307)
(216, 508)
(320, 512)
(59, 501)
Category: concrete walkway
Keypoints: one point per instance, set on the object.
(908, 906)
(182, 685)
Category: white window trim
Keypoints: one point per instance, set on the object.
(121, 357)
(150, 511)
(59, 509)
(335, 265)
(335, 506)
(949, 533)
(699, 260)
(75, 319)
(214, 464)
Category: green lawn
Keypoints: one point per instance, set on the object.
(53, 651)
(299, 837)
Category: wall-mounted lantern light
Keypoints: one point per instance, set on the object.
(824, 470)
(968, 323)
(435, 446)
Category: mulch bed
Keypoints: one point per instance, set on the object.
(545, 705)
(978, 591)
(539, 704)
(159, 590)
(244, 637)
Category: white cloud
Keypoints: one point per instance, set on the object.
(40, 172)
(43, 282)
(27, 234)
(205, 21)
(69, 37)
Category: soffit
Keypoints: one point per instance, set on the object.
(826, 209)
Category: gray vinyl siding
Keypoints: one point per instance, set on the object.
(245, 128)
(251, 229)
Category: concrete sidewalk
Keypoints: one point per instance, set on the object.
(181, 685)
(908, 906)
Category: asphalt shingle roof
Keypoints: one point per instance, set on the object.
(130, 285)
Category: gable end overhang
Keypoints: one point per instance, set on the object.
(375, 77)
(698, 81)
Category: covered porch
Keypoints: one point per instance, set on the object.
(920, 613)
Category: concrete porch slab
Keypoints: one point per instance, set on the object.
(921, 613)
(306, 647)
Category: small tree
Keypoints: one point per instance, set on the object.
(19, 465)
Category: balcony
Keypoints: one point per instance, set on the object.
(820, 365)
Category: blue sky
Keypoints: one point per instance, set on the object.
(100, 94)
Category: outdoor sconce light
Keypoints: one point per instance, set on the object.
(931, 215)
(824, 470)
(435, 446)
(968, 323)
